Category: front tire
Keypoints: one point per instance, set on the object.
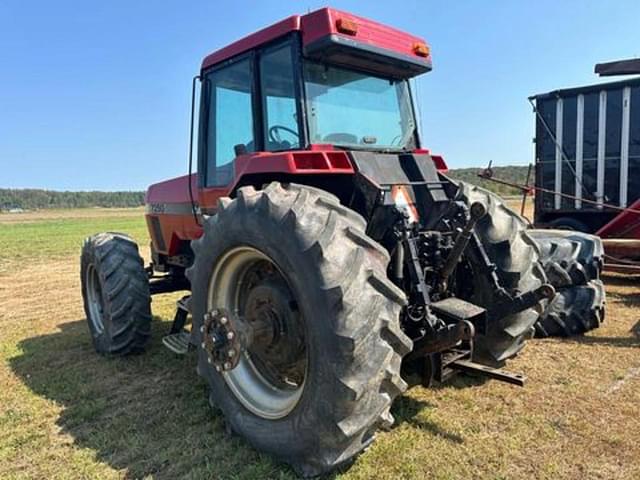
(348, 313)
(115, 291)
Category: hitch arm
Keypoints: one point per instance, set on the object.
(477, 211)
(443, 339)
(522, 302)
(468, 366)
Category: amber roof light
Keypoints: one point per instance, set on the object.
(344, 25)
(421, 49)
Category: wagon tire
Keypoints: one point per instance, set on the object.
(573, 311)
(573, 262)
(580, 255)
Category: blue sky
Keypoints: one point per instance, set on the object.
(95, 95)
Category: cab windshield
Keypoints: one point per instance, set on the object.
(354, 109)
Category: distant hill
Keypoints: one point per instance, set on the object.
(31, 199)
(513, 174)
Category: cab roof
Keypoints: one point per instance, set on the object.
(325, 28)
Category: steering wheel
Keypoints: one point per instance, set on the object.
(274, 133)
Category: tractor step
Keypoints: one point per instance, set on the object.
(178, 343)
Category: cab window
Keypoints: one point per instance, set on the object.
(229, 119)
(279, 99)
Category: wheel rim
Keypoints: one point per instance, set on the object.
(270, 376)
(94, 299)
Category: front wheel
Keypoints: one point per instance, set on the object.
(321, 362)
(115, 290)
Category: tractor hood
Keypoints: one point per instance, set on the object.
(171, 196)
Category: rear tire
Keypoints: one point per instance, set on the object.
(503, 234)
(115, 291)
(348, 309)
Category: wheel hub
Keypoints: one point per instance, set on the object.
(254, 333)
(221, 340)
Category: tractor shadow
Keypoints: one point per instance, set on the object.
(146, 415)
(411, 411)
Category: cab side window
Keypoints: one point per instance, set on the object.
(279, 99)
(229, 121)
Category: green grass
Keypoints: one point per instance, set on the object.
(55, 238)
(68, 413)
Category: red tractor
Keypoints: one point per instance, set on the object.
(330, 261)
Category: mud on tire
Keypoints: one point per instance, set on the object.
(115, 291)
(349, 311)
(503, 234)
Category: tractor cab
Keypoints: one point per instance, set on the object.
(323, 78)
(292, 102)
(322, 81)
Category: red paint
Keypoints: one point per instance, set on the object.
(440, 164)
(322, 23)
(254, 40)
(321, 159)
(175, 190)
(438, 160)
(624, 225)
(175, 230)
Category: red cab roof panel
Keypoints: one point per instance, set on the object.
(327, 27)
(249, 42)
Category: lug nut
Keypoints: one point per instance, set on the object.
(202, 329)
(208, 359)
(230, 336)
(218, 369)
(202, 345)
(223, 320)
(227, 366)
(231, 353)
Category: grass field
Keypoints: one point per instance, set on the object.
(67, 413)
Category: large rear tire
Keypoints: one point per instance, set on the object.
(503, 234)
(345, 309)
(115, 291)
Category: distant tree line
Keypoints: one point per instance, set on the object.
(512, 174)
(31, 198)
